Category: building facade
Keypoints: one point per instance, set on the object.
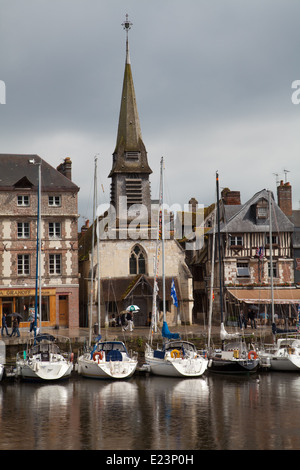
(18, 240)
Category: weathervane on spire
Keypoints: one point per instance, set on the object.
(127, 24)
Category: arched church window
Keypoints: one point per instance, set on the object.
(137, 261)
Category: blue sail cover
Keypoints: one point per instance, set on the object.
(166, 332)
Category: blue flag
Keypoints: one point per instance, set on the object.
(173, 294)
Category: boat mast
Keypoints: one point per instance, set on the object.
(163, 237)
(38, 279)
(219, 247)
(92, 260)
(98, 249)
(212, 275)
(271, 257)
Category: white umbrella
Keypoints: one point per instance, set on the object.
(132, 308)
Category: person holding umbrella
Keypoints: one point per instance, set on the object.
(15, 330)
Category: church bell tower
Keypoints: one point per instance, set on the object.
(130, 169)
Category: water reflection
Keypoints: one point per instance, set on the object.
(144, 413)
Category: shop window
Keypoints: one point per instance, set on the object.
(26, 307)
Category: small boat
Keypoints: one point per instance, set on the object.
(44, 360)
(107, 360)
(234, 358)
(176, 358)
(283, 356)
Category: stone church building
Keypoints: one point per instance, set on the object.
(128, 234)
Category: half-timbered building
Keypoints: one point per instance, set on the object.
(248, 233)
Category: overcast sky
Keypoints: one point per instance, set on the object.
(213, 82)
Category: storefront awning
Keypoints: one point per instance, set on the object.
(263, 296)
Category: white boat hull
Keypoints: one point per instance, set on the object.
(285, 358)
(101, 369)
(1, 371)
(177, 367)
(288, 363)
(45, 371)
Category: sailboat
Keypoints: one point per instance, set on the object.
(43, 359)
(176, 358)
(106, 359)
(284, 354)
(233, 357)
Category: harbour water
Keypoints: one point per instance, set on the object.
(214, 412)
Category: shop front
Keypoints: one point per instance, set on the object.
(22, 301)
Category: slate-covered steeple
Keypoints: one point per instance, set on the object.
(130, 170)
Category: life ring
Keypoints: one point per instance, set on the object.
(252, 355)
(99, 354)
(175, 353)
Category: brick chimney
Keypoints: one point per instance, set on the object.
(66, 168)
(284, 196)
(85, 227)
(231, 198)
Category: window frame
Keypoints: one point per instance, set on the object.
(235, 239)
(137, 254)
(55, 264)
(54, 204)
(246, 267)
(21, 230)
(55, 234)
(23, 264)
(22, 202)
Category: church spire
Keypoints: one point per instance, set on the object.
(130, 155)
(130, 170)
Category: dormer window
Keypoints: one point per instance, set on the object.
(262, 211)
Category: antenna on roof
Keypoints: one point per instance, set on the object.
(285, 173)
(277, 180)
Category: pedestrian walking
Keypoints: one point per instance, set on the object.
(15, 329)
(129, 319)
(4, 325)
(251, 316)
